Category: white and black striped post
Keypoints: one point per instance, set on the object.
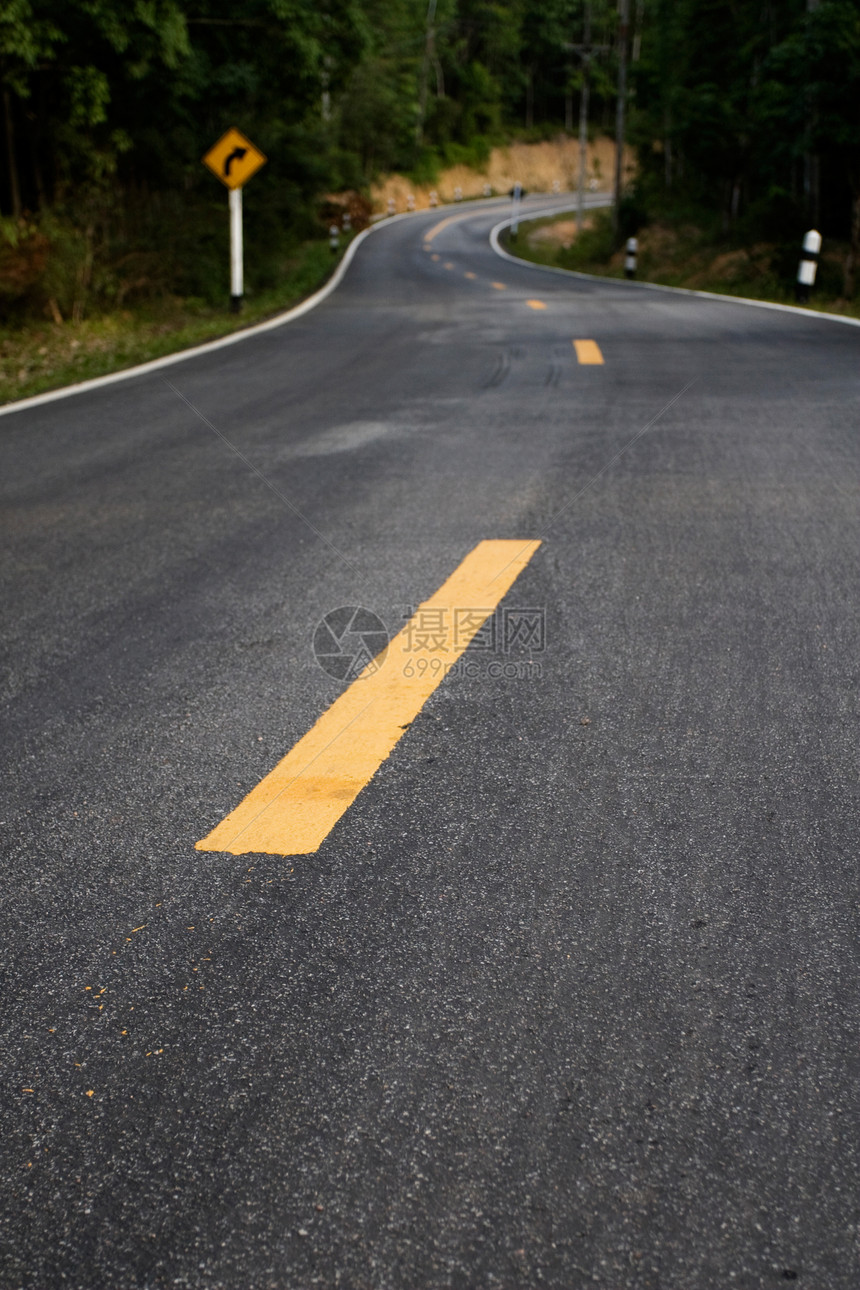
(392, 206)
(458, 194)
(334, 238)
(434, 199)
(410, 202)
(488, 190)
(630, 255)
(347, 222)
(808, 266)
(516, 198)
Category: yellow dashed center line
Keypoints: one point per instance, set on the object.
(293, 810)
(536, 304)
(470, 275)
(587, 352)
(449, 265)
(434, 257)
(500, 286)
(437, 228)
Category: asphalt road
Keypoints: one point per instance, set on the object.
(569, 996)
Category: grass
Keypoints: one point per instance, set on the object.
(684, 256)
(41, 356)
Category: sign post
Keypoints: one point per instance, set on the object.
(516, 198)
(234, 159)
(237, 259)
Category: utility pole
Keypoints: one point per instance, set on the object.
(586, 50)
(811, 160)
(623, 27)
(583, 114)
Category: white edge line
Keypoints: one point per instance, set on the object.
(244, 333)
(651, 286)
(209, 346)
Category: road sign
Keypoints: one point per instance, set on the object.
(234, 159)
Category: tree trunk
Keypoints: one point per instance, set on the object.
(812, 186)
(325, 82)
(637, 31)
(440, 78)
(852, 259)
(429, 57)
(14, 182)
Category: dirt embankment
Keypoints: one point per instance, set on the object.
(559, 235)
(537, 166)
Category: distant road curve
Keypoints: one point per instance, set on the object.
(651, 286)
(279, 320)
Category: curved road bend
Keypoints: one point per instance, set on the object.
(568, 996)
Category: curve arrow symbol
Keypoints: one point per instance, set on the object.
(236, 155)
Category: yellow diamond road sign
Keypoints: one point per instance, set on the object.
(234, 159)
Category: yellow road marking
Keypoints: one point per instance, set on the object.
(434, 257)
(500, 286)
(587, 351)
(293, 810)
(470, 275)
(437, 228)
(536, 304)
(449, 265)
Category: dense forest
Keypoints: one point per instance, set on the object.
(746, 112)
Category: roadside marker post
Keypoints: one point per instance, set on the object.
(631, 252)
(808, 266)
(233, 160)
(334, 238)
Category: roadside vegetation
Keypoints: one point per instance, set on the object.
(683, 254)
(113, 236)
(40, 354)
